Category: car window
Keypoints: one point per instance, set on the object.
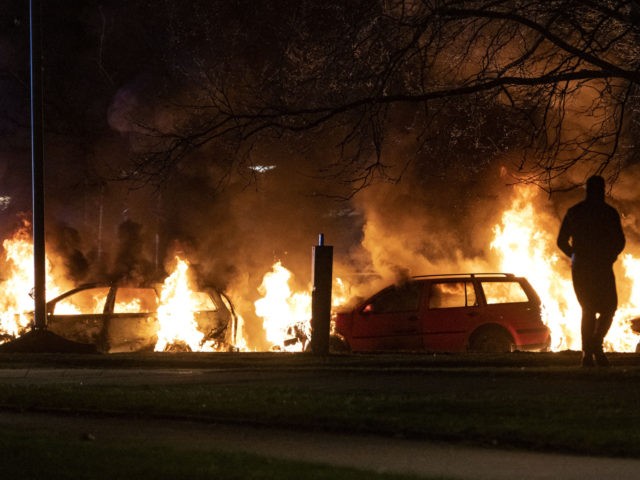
(135, 300)
(503, 292)
(203, 302)
(452, 295)
(83, 302)
(404, 298)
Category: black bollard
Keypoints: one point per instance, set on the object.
(322, 269)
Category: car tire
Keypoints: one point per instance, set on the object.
(491, 340)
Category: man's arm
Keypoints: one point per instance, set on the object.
(618, 240)
(564, 235)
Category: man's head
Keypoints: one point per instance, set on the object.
(595, 189)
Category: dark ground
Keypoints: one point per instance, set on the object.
(453, 416)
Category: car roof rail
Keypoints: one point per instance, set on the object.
(472, 275)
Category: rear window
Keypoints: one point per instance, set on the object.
(503, 292)
(452, 295)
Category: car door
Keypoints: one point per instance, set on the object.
(79, 315)
(132, 322)
(389, 320)
(450, 309)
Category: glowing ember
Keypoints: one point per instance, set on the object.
(176, 313)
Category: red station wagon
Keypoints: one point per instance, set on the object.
(481, 312)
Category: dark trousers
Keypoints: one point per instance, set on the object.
(595, 287)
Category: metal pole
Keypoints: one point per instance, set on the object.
(321, 297)
(37, 164)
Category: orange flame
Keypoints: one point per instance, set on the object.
(525, 242)
(280, 308)
(16, 300)
(176, 313)
(286, 313)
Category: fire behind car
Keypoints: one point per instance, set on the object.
(635, 328)
(124, 319)
(482, 312)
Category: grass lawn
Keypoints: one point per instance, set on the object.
(42, 455)
(537, 402)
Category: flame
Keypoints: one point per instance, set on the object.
(16, 301)
(281, 309)
(286, 315)
(67, 307)
(133, 306)
(176, 313)
(525, 243)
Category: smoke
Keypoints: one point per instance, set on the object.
(66, 241)
(131, 265)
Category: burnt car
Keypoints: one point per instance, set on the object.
(479, 312)
(118, 318)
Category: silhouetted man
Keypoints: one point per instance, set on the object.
(591, 235)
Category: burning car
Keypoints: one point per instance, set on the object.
(480, 312)
(118, 318)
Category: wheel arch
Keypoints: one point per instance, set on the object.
(487, 329)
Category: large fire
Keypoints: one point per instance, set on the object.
(176, 313)
(523, 243)
(285, 314)
(15, 297)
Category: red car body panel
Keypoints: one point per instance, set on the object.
(446, 314)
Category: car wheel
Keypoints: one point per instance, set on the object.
(491, 341)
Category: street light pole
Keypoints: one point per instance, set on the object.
(37, 164)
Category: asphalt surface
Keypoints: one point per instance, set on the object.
(368, 453)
